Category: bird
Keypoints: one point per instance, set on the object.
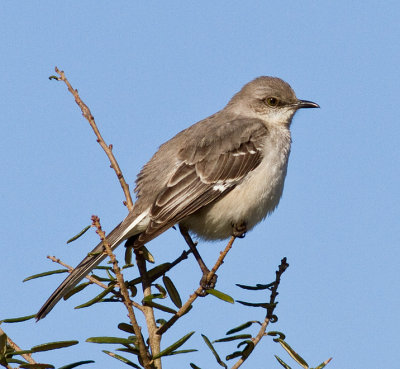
(217, 178)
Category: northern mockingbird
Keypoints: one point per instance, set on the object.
(217, 178)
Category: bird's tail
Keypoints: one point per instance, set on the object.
(94, 258)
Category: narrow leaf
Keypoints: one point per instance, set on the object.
(174, 346)
(73, 365)
(194, 366)
(172, 292)
(160, 307)
(280, 361)
(211, 347)
(293, 354)
(181, 352)
(22, 352)
(50, 272)
(161, 289)
(37, 366)
(19, 319)
(118, 340)
(76, 289)
(121, 358)
(161, 321)
(240, 327)
(256, 287)
(96, 298)
(82, 232)
(232, 338)
(234, 355)
(126, 328)
(151, 297)
(276, 333)
(153, 274)
(222, 296)
(147, 255)
(53, 345)
(264, 305)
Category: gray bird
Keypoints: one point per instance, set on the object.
(217, 178)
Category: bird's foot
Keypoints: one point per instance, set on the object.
(239, 230)
(207, 284)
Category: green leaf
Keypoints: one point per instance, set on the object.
(222, 296)
(240, 327)
(293, 354)
(153, 274)
(280, 361)
(160, 307)
(128, 255)
(129, 349)
(264, 305)
(121, 358)
(211, 347)
(96, 298)
(232, 338)
(174, 346)
(113, 340)
(276, 333)
(17, 353)
(19, 319)
(53, 345)
(161, 321)
(256, 287)
(76, 289)
(37, 366)
(234, 355)
(181, 352)
(82, 232)
(172, 292)
(50, 272)
(194, 366)
(126, 328)
(77, 363)
(147, 255)
(161, 289)
(322, 365)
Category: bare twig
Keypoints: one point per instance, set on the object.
(143, 352)
(90, 278)
(186, 306)
(70, 269)
(107, 148)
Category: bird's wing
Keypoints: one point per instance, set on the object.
(208, 168)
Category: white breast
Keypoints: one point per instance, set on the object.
(253, 199)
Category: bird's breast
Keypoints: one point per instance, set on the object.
(251, 200)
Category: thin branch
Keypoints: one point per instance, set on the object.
(107, 148)
(148, 311)
(70, 269)
(90, 278)
(144, 354)
(186, 306)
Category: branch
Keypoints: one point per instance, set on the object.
(107, 148)
(186, 306)
(270, 317)
(144, 354)
(90, 278)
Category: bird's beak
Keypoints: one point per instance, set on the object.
(306, 104)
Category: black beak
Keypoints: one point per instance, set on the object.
(306, 104)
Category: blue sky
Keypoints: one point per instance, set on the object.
(147, 70)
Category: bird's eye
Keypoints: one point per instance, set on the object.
(272, 101)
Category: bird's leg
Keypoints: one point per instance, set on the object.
(239, 230)
(203, 282)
